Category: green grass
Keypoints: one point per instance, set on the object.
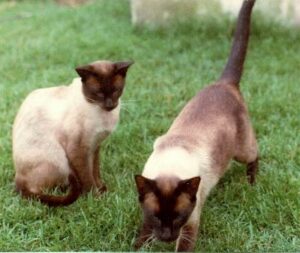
(41, 43)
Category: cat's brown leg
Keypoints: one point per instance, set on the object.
(252, 169)
(78, 157)
(96, 172)
(247, 153)
(144, 235)
(187, 239)
(189, 232)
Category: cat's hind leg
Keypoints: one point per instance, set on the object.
(252, 169)
(247, 153)
(39, 178)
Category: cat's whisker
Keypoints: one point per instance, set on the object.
(149, 240)
(130, 100)
(122, 104)
(125, 109)
(187, 240)
(127, 104)
(147, 235)
(187, 237)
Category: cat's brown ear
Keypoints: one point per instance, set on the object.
(122, 67)
(144, 185)
(84, 71)
(190, 186)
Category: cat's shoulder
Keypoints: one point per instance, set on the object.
(55, 92)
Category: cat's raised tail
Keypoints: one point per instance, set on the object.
(234, 68)
(52, 200)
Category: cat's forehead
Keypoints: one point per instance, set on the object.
(167, 185)
(166, 198)
(103, 68)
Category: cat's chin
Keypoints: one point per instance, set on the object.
(168, 239)
(107, 108)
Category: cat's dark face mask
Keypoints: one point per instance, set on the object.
(103, 82)
(167, 212)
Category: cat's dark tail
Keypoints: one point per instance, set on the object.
(52, 200)
(234, 68)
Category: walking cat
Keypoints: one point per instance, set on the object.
(188, 161)
(58, 131)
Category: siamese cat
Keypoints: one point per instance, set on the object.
(58, 131)
(188, 161)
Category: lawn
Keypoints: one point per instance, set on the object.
(41, 43)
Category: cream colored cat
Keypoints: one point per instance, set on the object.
(58, 131)
(188, 161)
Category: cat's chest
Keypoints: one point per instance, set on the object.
(89, 120)
(101, 122)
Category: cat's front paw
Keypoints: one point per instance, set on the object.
(100, 190)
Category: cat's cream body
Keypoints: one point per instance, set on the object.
(191, 147)
(47, 114)
(58, 131)
(189, 160)
(176, 161)
(183, 164)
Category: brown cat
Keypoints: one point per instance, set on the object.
(188, 161)
(58, 131)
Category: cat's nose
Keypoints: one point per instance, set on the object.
(109, 102)
(109, 105)
(166, 234)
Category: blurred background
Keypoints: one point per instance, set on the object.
(156, 12)
(161, 12)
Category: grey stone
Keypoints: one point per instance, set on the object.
(161, 12)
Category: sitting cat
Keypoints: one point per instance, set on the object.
(58, 131)
(188, 161)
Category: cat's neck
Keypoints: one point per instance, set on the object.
(79, 112)
(177, 161)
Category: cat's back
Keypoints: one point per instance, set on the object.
(217, 107)
(39, 113)
(40, 104)
(34, 131)
(43, 98)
